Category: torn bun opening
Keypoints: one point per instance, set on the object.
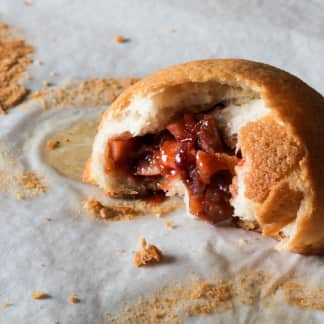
(195, 155)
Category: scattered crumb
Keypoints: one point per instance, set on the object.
(147, 255)
(14, 59)
(6, 305)
(14, 179)
(40, 295)
(52, 145)
(168, 224)
(26, 3)
(53, 74)
(73, 299)
(193, 297)
(46, 219)
(2, 111)
(38, 62)
(98, 210)
(120, 39)
(128, 210)
(56, 322)
(32, 182)
(303, 296)
(19, 195)
(201, 297)
(45, 84)
(86, 93)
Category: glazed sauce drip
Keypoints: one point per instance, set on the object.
(190, 149)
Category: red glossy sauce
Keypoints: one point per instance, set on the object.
(191, 149)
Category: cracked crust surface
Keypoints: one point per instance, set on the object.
(272, 154)
(289, 142)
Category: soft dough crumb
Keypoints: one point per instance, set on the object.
(147, 255)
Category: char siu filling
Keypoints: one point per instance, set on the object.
(192, 150)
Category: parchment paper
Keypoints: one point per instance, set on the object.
(73, 253)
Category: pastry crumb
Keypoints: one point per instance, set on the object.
(120, 39)
(15, 180)
(39, 295)
(47, 219)
(194, 297)
(147, 255)
(168, 224)
(52, 145)
(31, 182)
(86, 93)
(6, 305)
(26, 3)
(73, 299)
(200, 297)
(128, 210)
(14, 59)
(19, 195)
(98, 210)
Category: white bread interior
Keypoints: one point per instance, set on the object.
(243, 207)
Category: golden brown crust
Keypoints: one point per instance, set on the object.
(279, 209)
(298, 107)
(281, 205)
(273, 229)
(272, 154)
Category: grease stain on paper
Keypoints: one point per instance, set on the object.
(73, 148)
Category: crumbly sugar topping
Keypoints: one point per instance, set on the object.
(14, 59)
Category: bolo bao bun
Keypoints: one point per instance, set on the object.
(235, 138)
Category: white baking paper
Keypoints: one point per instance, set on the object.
(75, 254)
